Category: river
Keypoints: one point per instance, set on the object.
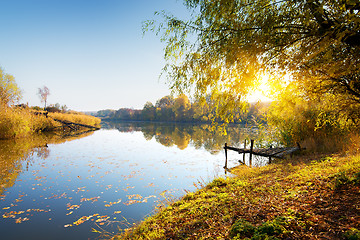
(65, 187)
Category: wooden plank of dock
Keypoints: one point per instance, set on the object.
(279, 152)
(266, 152)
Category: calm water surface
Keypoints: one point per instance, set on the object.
(62, 188)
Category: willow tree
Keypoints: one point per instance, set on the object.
(225, 46)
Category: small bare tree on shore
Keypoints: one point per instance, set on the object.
(43, 94)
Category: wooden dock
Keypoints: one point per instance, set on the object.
(264, 152)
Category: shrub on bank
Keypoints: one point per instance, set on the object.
(317, 125)
(12, 124)
(20, 122)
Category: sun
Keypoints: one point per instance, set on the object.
(261, 91)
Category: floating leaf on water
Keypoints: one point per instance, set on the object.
(112, 203)
(8, 215)
(70, 207)
(136, 196)
(37, 210)
(82, 220)
(93, 199)
(130, 202)
(81, 189)
(125, 189)
(20, 219)
(102, 218)
(12, 214)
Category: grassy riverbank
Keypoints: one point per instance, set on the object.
(16, 122)
(309, 197)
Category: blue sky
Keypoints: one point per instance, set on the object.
(91, 54)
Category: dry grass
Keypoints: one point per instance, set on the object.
(20, 122)
(77, 118)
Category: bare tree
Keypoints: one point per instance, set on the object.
(43, 94)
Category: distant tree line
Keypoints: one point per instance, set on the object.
(183, 135)
(181, 109)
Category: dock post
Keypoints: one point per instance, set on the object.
(225, 155)
(251, 150)
(270, 157)
(244, 152)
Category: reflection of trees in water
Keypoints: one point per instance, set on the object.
(13, 153)
(183, 135)
(42, 152)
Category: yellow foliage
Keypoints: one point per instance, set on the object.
(316, 122)
(19, 122)
(9, 91)
(16, 122)
(77, 118)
